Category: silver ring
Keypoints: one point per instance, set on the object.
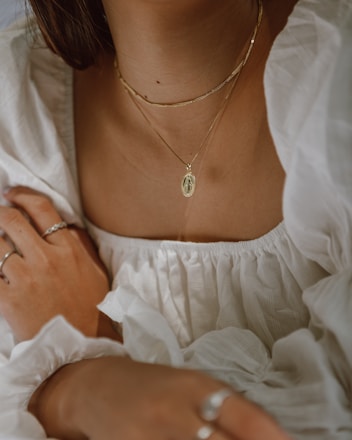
(211, 406)
(4, 259)
(54, 228)
(204, 432)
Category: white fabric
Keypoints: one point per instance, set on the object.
(272, 316)
(10, 10)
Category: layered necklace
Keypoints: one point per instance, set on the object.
(188, 181)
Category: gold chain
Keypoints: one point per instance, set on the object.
(188, 182)
(202, 144)
(215, 89)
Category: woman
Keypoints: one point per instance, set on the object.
(177, 160)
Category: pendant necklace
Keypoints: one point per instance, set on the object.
(188, 182)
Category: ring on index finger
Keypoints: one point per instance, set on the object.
(210, 408)
(54, 228)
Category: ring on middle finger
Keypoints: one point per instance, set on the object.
(211, 406)
(54, 228)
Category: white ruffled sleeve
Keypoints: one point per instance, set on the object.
(35, 122)
(32, 362)
(309, 91)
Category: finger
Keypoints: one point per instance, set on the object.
(240, 417)
(41, 211)
(19, 230)
(206, 431)
(194, 428)
(220, 432)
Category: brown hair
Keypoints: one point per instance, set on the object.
(76, 30)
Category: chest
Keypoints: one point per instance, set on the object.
(130, 181)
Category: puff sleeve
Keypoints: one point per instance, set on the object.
(309, 92)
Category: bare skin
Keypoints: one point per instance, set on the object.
(114, 406)
(240, 179)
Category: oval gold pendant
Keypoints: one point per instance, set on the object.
(188, 184)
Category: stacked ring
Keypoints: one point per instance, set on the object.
(209, 412)
(212, 404)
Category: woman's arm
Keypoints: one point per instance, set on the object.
(116, 397)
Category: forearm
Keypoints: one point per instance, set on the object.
(56, 403)
(25, 367)
(65, 403)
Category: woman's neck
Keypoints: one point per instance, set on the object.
(173, 50)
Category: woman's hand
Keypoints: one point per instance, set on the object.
(118, 398)
(58, 274)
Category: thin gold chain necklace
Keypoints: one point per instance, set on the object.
(188, 182)
(210, 92)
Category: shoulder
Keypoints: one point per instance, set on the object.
(36, 100)
(309, 101)
(13, 45)
(34, 81)
(36, 117)
(23, 53)
(310, 61)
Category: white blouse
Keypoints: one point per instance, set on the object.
(271, 316)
